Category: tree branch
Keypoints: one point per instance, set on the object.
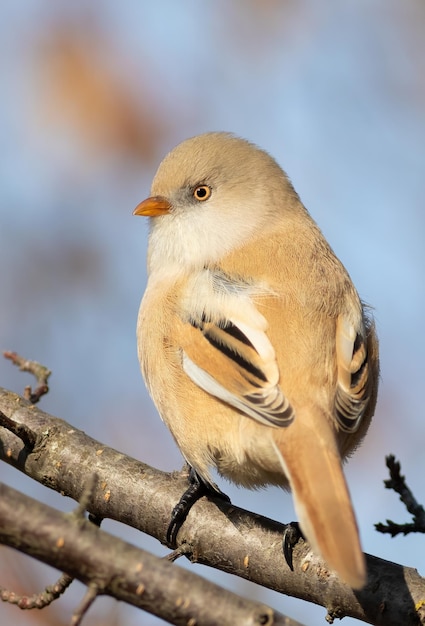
(41, 373)
(247, 544)
(397, 482)
(110, 566)
(37, 600)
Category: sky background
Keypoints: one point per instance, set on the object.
(93, 95)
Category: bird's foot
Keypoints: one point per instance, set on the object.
(196, 490)
(291, 536)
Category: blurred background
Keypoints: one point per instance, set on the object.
(93, 95)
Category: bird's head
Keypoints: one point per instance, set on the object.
(210, 195)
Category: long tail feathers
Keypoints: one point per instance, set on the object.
(311, 461)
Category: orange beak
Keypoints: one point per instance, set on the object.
(153, 206)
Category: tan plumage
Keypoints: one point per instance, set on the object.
(252, 339)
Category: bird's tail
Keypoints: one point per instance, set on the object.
(311, 461)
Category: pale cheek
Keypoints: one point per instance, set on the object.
(187, 245)
(202, 235)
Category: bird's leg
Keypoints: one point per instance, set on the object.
(196, 490)
(291, 536)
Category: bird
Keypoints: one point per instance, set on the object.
(253, 342)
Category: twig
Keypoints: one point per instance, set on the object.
(38, 600)
(89, 597)
(397, 482)
(87, 497)
(40, 372)
(52, 592)
(183, 550)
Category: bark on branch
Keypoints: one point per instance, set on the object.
(215, 533)
(108, 565)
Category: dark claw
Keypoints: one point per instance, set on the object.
(95, 519)
(196, 490)
(291, 537)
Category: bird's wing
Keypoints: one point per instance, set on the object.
(354, 385)
(227, 353)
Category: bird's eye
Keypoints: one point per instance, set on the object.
(202, 193)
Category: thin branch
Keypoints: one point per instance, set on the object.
(38, 600)
(53, 592)
(110, 566)
(86, 498)
(215, 533)
(89, 597)
(397, 482)
(40, 372)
